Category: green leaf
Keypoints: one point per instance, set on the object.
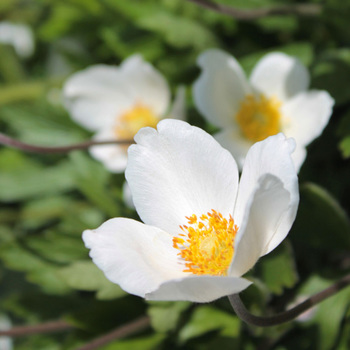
(165, 315)
(178, 31)
(57, 247)
(321, 222)
(38, 271)
(22, 178)
(345, 147)
(287, 24)
(329, 314)
(40, 211)
(91, 179)
(42, 125)
(149, 342)
(278, 269)
(206, 319)
(85, 275)
(332, 73)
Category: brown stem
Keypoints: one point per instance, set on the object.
(247, 15)
(120, 332)
(11, 142)
(48, 327)
(286, 316)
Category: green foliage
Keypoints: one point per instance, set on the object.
(165, 316)
(84, 275)
(207, 319)
(278, 269)
(24, 178)
(47, 201)
(328, 316)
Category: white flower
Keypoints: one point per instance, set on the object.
(5, 324)
(183, 181)
(115, 102)
(19, 36)
(275, 99)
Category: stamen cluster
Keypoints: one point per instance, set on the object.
(259, 117)
(207, 244)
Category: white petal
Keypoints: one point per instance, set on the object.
(200, 289)
(178, 108)
(265, 224)
(96, 96)
(232, 140)
(299, 156)
(113, 157)
(19, 36)
(6, 343)
(136, 256)
(145, 84)
(178, 171)
(93, 114)
(127, 196)
(221, 87)
(95, 81)
(271, 156)
(306, 115)
(280, 75)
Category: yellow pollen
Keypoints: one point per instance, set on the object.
(259, 117)
(133, 120)
(207, 244)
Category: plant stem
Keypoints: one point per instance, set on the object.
(11, 142)
(286, 316)
(118, 333)
(48, 327)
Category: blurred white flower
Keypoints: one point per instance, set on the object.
(5, 324)
(203, 228)
(115, 102)
(19, 36)
(275, 99)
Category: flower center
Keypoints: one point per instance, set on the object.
(207, 244)
(133, 120)
(259, 117)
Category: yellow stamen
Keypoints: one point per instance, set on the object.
(133, 120)
(259, 117)
(207, 246)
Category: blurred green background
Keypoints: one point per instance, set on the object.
(46, 201)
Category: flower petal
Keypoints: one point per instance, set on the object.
(271, 156)
(179, 171)
(178, 108)
(220, 88)
(299, 156)
(232, 140)
(20, 36)
(95, 96)
(93, 114)
(127, 196)
(136, 256)
(113, 157)
(199, 289)
(280, 75)
(145, 84)
(306, 115)
(265, 224)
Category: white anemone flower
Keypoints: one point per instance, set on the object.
(115, 102)
(274, 99)
(203, 228)
(20, 36)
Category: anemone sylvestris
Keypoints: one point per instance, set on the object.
(203, 227)
(274, 99)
